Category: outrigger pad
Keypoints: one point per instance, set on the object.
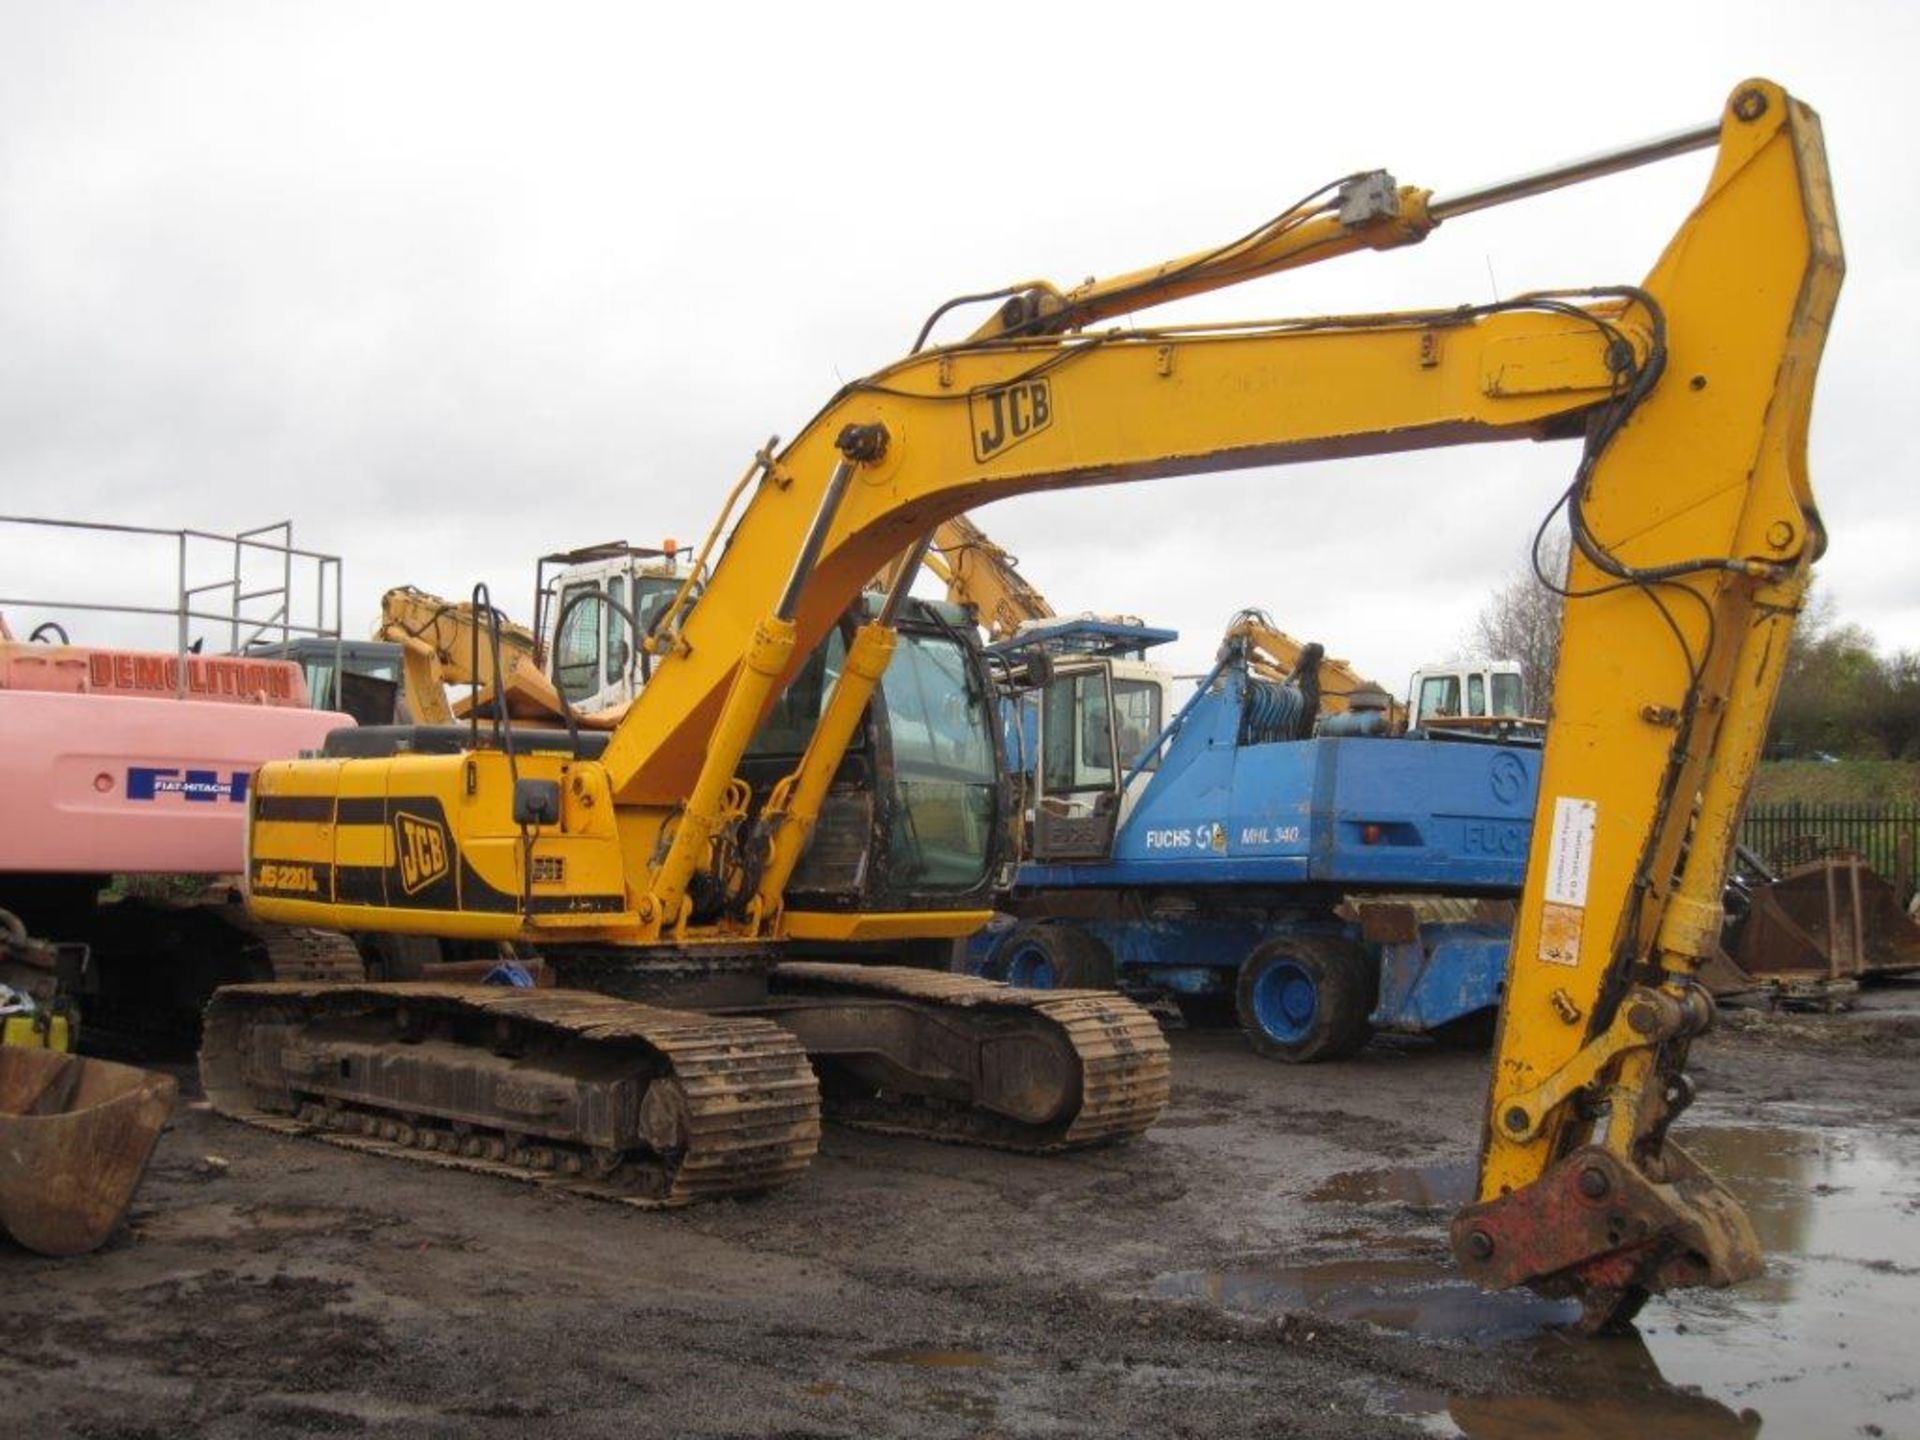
(75, 1138)
(1600, 1230)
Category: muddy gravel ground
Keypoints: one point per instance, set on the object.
(1270, 1260)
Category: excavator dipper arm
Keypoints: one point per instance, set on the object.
(1693, 541)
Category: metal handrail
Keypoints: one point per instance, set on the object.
(270, 540)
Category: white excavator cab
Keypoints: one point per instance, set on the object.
(594, 609)
(1466, 694)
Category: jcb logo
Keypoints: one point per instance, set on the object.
(1003, 418)
(423, 851)
(268, 876)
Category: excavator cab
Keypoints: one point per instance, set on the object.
(594, 613)
(916, 815)
(360, 678)
(1084, 709)
(1469, 699)
(1077, 796)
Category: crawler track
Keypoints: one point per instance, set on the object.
(582, 1092)
(1124, 1069)
(297, 953)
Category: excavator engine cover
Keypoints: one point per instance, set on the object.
(75, 1137)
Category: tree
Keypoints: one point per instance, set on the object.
(1828, 688)
(1521, 621)
(1837, 696)
(1891, 713)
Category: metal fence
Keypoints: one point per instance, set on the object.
(1795, 832)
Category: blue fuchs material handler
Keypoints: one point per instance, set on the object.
(1317, 877)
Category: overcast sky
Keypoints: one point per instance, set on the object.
(453, 285)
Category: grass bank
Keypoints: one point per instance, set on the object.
(1846, 782)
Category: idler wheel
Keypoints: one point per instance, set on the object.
(663, 1117)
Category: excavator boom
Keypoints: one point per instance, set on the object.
(985, 578)
(446, 642)
(1274, 654)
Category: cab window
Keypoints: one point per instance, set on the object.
(1439, 696)
(651, 594)
(941, 723)
(1476, 694)
(1076, 748)
(789, 725)
(576, 652)
(1506, 695)
(1136, 720)
(320, 684)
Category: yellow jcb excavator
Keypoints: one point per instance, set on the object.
(673, 1061)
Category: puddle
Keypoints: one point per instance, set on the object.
(1606, 1389)
(1821, 1344)
(1419, 1296)
(933, 1359)
(1418, 1187)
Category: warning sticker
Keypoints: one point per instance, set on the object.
(1560, 933)
(1569, 863)
(1570, 855)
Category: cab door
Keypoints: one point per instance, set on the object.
(593, 655)
(1077, 804)
(596, 661)
(581, 641)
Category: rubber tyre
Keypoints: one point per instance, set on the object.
(1043, 955)
(1306, 998)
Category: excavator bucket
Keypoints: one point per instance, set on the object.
(1827, 923)
(75, 1137)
